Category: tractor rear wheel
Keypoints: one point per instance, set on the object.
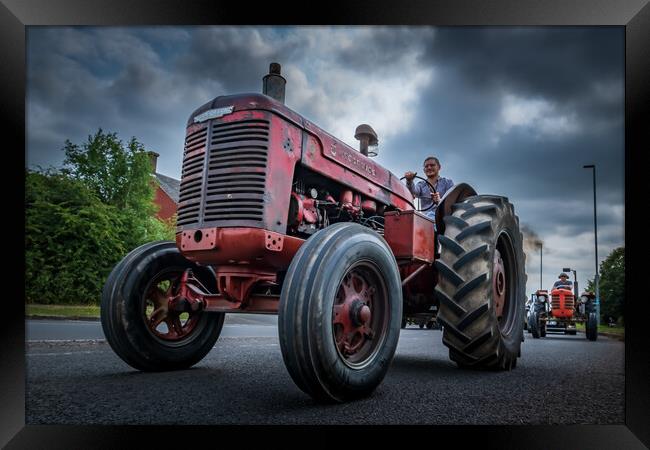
(591, 327)
(340, 313)
(135, 317)
(482, 283)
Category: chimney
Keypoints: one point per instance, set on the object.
(273, 83)
(153, 158)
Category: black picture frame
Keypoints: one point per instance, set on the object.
(634, 15)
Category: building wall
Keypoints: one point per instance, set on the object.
(166, 204)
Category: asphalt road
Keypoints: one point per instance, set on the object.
(559, 380)
(254, 325)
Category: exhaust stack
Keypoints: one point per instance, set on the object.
(273, 84)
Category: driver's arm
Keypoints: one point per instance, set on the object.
(416, 189)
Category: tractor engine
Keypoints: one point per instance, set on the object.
(562, 303)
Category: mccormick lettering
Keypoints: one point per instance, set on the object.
(353, 160)
(213, 114)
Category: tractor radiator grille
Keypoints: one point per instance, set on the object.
(223, 182)
(236, 177)
(568, 302)
(192, 178)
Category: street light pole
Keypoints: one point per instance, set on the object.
(596, 278)
(541, 254)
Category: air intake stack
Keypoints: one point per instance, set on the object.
(273, 84)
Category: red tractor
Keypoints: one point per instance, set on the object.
(562, 313)
(276, 216)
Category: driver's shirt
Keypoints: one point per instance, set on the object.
(568, 284)
(423, 191)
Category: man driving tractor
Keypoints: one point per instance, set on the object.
(563, 282)
(423, 191)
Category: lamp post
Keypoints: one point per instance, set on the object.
(541, 254)
(596, 278)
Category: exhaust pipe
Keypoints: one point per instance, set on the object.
(273, 84)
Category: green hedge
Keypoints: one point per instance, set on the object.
(73, 240)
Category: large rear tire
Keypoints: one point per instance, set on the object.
(591, 327)
(340, 313)
(135, 320)
(482, 283)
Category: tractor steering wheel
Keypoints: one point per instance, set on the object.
(432, 190)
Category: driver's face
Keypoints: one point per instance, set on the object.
(431, 168)
(563, 278)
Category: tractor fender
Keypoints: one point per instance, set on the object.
(456, 194)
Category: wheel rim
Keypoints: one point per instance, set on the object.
(499, 284)
(503, 283)
(169, 326)
(360, 315)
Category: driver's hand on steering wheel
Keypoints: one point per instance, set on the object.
(409, 176)
(435, 196)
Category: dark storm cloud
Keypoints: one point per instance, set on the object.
(233, 56)
(236, 56)
(550, 62)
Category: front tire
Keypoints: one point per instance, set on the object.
(134, 315)
(533, 325)
(591, 327)
(482, 283)
(340, 313)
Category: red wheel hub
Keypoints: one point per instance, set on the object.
(352, 313)
(498, 284)
(162, 313)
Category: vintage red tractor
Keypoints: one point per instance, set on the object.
(562, 313)
(276, 216)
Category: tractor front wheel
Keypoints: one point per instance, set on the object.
(340, 313)
(591, 327)
(533, 324)
(482, 288)
(136, 318)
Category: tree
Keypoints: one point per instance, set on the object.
(81, 220)
(612, 284)
(120, 176)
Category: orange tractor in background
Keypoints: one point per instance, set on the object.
(562, 312)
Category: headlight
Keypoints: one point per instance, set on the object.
(584, 299)
(541, 299)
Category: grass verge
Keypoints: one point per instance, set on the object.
(63, 311)
(604, 329)
(73, 311)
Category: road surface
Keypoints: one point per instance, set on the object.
(559, 380)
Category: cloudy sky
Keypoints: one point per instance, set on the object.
(513, 111)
